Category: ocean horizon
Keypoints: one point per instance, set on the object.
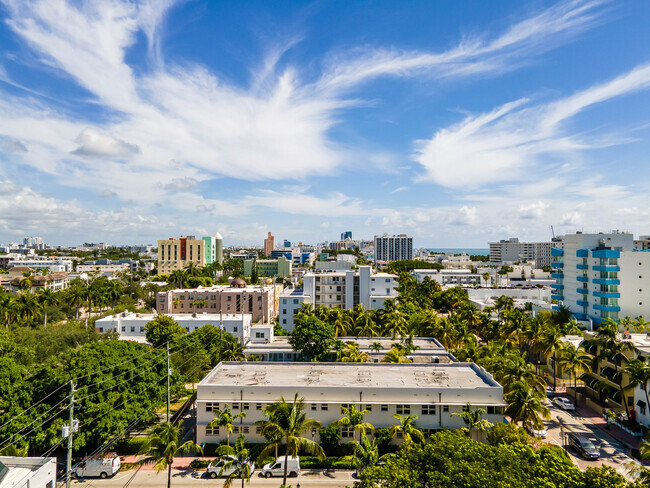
(459, 250)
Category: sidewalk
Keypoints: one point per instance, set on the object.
(180, 463)
(625, 438)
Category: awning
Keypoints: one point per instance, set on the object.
(641, 404)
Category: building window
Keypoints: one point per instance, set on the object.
(132, 329)
(259, 335)
(235, 406)
(445, 408)
(245, 429)
(494, 410)
(123, 329)
(234, 329)
(229, 299)
(404, 409)
(384, 408)
(258, 406)
(428, 409)
(246, 406)
(314, 406)
(212, 431)
(284, 321)
(258, 429)
(347, 432)
(369, 408)
(323, 407)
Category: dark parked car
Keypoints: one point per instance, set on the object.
(584, 446)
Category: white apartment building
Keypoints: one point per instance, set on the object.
(431, 391)
(103, 268)
(343, 289)
(131, 326)
(52, 264)
(457, 277)
(393, 248)
(27, 472)
(602, 275)
(511, 250)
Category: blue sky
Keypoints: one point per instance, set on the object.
(455, 122)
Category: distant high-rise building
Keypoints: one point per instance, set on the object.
(178, 253)
(511, 250)
(269, 244)
(642, 243)
(287, 243)
(346, 235)
(393, 248)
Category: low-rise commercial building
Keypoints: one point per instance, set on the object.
(431, 391)
(428, 349)
(259, 301)
(51, 264)
(511, 251)
(27, 472)
(131, 326)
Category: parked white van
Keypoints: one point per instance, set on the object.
(102, 467)
(277, 468)
(217, 469)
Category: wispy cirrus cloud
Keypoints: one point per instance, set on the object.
(506, 143)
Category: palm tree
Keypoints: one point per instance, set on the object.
(376, 346)
(486, 277)
(574, 360)
(550, 343)
(27, 281)
(192, 270)
(26, 306)
(473, 420)
(525, 405)
(177, 278)
(237, 459)
(45, 298)
(77, 294)
(639, 375)
(7, 308)
(364, 325)
(366, 452)
(225, 418)
(353, 417)
(352, 354)
(406, 426)
(162, 445)
(113, 291)
(395, 355)
(288, 422)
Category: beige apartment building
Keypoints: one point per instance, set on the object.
(178, 253)
(260, 302)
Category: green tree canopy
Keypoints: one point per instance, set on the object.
(312, 337)
(163, 329)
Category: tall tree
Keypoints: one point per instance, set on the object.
(574, 360)
(225, 418)
(638, 372)
(407, 428)
(353, 417)
(473, 419)
(162, 445)
(163, 329)
(237, 459)
(525, 405)
(45, 298)
(550, 343)
(312, 338)
(288, 422)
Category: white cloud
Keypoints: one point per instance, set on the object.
(532, 210)
(181, 184)
(12, 145)
(94, 143)
(107, 194)
(507, 143)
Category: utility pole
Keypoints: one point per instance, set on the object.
(70, 430)
(168, 372)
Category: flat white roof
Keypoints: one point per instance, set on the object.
(184, 317)
(342, 375)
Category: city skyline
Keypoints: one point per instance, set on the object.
(458, 124)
